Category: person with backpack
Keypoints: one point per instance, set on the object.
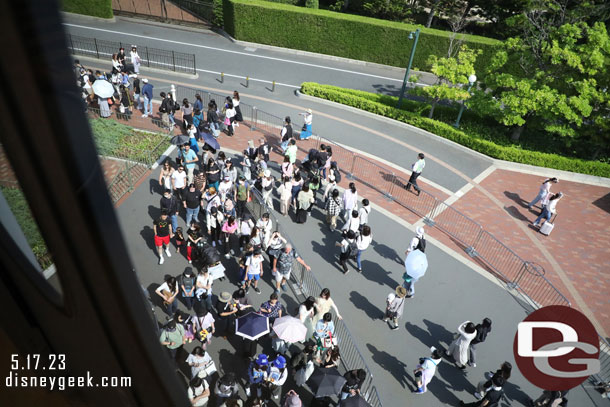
(493, 396)
(198, 392)
(395, 303)
(418, 242)
(334, 171)
(485, 385)
(226, 388)
(286, 134)
(483, 329)
(426, 369)
(167, 105)
(349, 249)
(187, 287)
(333, 207)
(242, 195)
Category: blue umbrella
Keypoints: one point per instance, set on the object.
(416, 264)
(209, 140)
(252, 326)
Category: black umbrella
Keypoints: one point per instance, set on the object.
(210, 140)
(355, 401)
(179, 140)
(326, 382)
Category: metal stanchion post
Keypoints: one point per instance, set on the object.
(247, 81)
(254, 118)
(273, 87)
(222, 77)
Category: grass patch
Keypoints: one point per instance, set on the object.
(96, 8)
(473, 135)
(20, 208)
(114, 139)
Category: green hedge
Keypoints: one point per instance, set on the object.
(96, 8)
(508, 153)
(344, 35)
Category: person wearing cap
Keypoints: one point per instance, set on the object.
(276, 377)
(395, 303)
(418, 242)
(426, 369)
(286, 133)
(227, 309)
(254, 270)
(267, 183)
(292, 400)
(257, 374)
(549, 204)
(147, 91)
(306, 130)
(172, 337)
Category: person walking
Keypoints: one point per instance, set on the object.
(483, 329)
(426, 369)
(324, 303)
(170, 205)
(492, 398)
(363, 241)
(267, 183)
(417, 169)
(172, 337)
(349, 249)
(350, 200)
(230, 118)
(308, 119)
(285, 192)
(254, 270)
(242, 195)
(395, 303)
(485, 385)
(163, 232)
(282, 266)
(307, 311)
(265, 226)
(418, 242)
(229, 228)
(147, 91)
(363, 213)
(179, 180)
(285, 134)
(137, 93)
(192, 204)
(459, 347)
(545, 189)
(187, 113)
(168, 292)
(549, 209)
(291, 151)
(304, 201)
(352, 223)
(333, 207)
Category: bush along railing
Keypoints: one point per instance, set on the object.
(303, 284)
(151, 57)
(507, 153)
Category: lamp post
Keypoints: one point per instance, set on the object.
(404, 82)
(471, 81)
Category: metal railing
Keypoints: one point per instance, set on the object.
(523, 277)
(124, 181)
(151, 57)
(304, 284)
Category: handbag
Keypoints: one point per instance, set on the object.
(207, 370)
(227, 121)
(330, 341)
(121, 108)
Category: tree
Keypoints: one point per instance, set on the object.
(561, 83)
(452, 75)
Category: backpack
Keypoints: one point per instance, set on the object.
(336, 171)
(352, 249)
(188, 282)
(242, 193)
(421, 245)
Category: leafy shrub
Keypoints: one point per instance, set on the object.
(372, 103)
(312, 4)
(96, 8)
(344, 35)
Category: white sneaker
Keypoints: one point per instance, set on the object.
(227, 256)
(190, 261)
(169, 254)
(144, 115)
(477, 395)
(161, 260)
(248, 391)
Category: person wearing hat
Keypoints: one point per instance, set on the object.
(306, 130)
(135, 59)
(225, 188)
(267, 183)
(172, 337)
(418, 242)
(257, 374)
(395, 303)
(425, 370)
(286, 133)
(292, 400)
(227, 308)
(265, 227)
(276, 377)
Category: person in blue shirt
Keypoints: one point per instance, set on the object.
(147, 91)
(189, 159)
(257, 374)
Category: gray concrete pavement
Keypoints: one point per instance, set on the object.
(449, 294)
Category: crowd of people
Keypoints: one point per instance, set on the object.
(212, 195)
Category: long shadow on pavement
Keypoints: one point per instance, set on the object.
(363, 303)
(392, 364)
(148, 235)
(374, 272)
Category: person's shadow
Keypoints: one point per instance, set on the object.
(154, 187)
(363, 303)
(516, 198)
(387, 252)
(154, 212)
(148, 234)
(391, 364)
(374, 272)
(432, 336)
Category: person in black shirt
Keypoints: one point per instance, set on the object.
(194, 236)
(163, 232)
(192, 203)
(355, 379)
(493, 396)
(483, 329)
(263, 149)
(170, 205)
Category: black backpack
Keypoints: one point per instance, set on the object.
(421, 245)
(336, 171)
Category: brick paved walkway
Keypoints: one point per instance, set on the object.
(156, 9)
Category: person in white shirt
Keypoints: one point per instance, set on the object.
(225, 187)
(198, 392)
(549, 209)
(363, 241)
(363, 213)
(179, 182)
(415, 242)
(230, 118)
(135, 59)
(198, 359)
(254, 270)
(353, 223)
(308, 118)
(350, 200)
(544, 192)
(267, 184)
(265, 227)
(417, 168)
